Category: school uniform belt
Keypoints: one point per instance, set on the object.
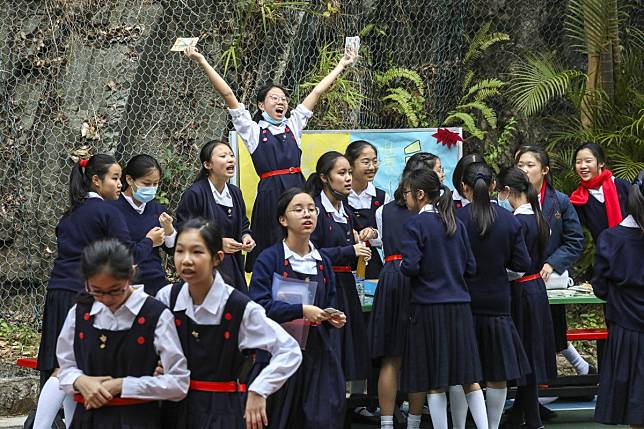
(396, 257)
(528, 278)
(341, 269)
(290, 170)
(217, 386)
(115, 402)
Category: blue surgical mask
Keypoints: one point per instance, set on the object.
(145, 194)
(505, 204)
(270, 120)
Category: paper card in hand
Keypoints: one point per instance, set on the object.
(352, 44)
(294, 291)
(183, 42)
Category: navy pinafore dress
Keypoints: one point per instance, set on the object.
(390, 311)
(213, 355)
(336, 241)
(367, 218)
(274, 154)
(125, 353)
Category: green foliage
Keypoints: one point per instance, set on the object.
(345, 95)
(536, 81)
(592, 25)
(473, 113)
(404, 97)
(17, 339)
(494, 153)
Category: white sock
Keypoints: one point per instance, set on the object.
(457, 406)
(438, 409)
(413, 422)
(476, 403)
(386, 422)
(572, 355)
(49, 402)
(494, 402)
(69, 407)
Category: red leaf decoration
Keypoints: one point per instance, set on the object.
(447, 137)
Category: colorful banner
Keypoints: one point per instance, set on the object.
(394, 148)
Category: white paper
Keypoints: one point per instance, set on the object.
(183, 42)
(352, 44)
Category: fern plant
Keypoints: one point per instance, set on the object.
(404, 95)
(472, 112)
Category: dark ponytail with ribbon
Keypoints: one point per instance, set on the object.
(478, 177)
(80, 178)
(325, 164)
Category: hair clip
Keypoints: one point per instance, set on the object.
(83, 163)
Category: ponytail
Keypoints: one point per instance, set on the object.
(205, 155)
(428, 181)
(325, 164)
(636, 200)
(518, 181)
(478, 176)
(80, 178)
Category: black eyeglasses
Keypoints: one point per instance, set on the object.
(117, 292)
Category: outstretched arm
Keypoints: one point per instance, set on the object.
(217, 81)
(312, 99)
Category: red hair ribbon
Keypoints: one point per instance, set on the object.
(83, 163)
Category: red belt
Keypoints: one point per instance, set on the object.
(396, 257)
(217, 386)
(341, 269)
(290, 170)
(115, 402)
(528, 278)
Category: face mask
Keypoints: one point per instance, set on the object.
(145, 194)
(276, 122)
(505, 204)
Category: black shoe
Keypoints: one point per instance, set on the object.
(546, 413)
(592, 369)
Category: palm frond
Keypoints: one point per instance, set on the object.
(536, 81)
(622, 165)
(592, 24)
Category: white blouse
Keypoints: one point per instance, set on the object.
(256, 331)
(172, 385)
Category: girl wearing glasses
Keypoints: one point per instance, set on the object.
(441, 348)
(335, 236)
(273, 141)
(141, 213)
(313, 396)
(111, 342)
(212, 198)
(88, 218)
(530, 310)
(216, 324)
(390, 312)
(364, 198)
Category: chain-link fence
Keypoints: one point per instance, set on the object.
(88, 76)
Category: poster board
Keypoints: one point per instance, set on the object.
(394, 146)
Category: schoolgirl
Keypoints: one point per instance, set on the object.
(497, 243)
(273, 141)
(87, 219)
(619, 279)
(565, 244)
(364, 198)
(212, 197)
(601, 199)
(457, 176)
(314, 397)
(111, 342)
(335, 236)
(529, 299)
(390, 309)
(216, 323)
(440, 348)
(141, 213)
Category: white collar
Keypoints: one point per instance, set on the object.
(525, 209)
(225, 199)
(212, 303)
(133, 304)
(427, 208)
(93, 195)
(139, 209)
(313, 255)
(370, 190)
(629, 222)
(338, 215)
